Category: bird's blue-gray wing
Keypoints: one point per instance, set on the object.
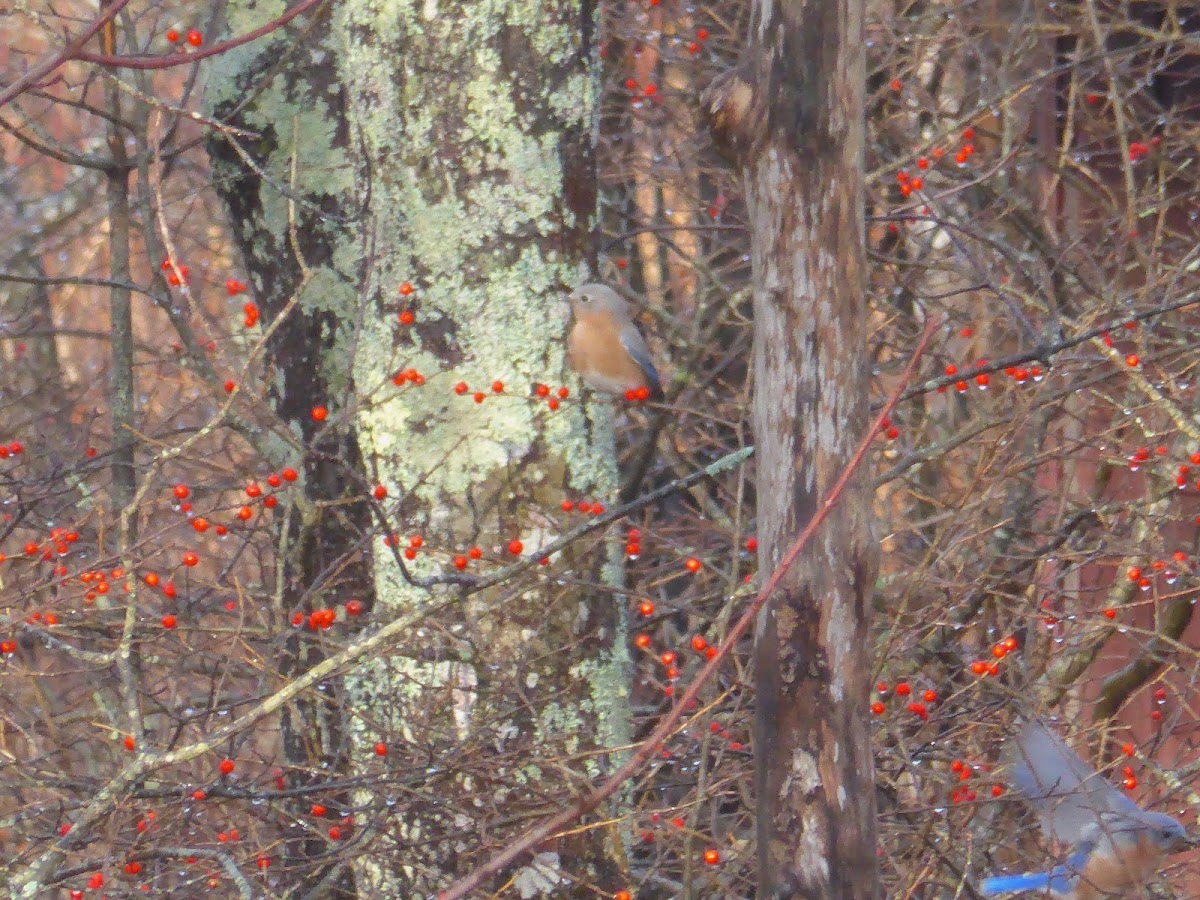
(635, 346)
(1070, 796)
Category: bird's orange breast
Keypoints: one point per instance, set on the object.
(595, 351)
(1109, 876)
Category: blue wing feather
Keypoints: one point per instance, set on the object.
(635, 346)
(1010, 884)
(1059, 880)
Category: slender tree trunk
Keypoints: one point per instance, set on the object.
(792, 114)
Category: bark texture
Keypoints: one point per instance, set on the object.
(446, 148)
(791, 114)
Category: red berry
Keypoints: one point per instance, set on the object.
(195, 38)
(226, 766)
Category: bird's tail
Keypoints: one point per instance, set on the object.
(1011, 884)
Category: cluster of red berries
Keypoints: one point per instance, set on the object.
(194, 37)
(961, 385)
(177, 273)
(919, 708)
(963, 793)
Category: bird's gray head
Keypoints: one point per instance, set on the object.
(596, 298)
(1167, 833)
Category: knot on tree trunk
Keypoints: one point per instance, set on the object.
(735, 112)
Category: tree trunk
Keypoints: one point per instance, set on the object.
(441, 163)
(792, 115)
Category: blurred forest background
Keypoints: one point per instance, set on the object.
(266, 394)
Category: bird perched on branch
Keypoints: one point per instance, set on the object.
(1115, 843)
(604, 345)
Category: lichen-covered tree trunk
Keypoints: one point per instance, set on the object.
(435, 160)
(792, 114)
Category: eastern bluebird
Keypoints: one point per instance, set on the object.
(1115, 844)
(605, 346)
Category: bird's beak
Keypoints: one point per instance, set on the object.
(1187, 842)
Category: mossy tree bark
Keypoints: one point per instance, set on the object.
(437, 159)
